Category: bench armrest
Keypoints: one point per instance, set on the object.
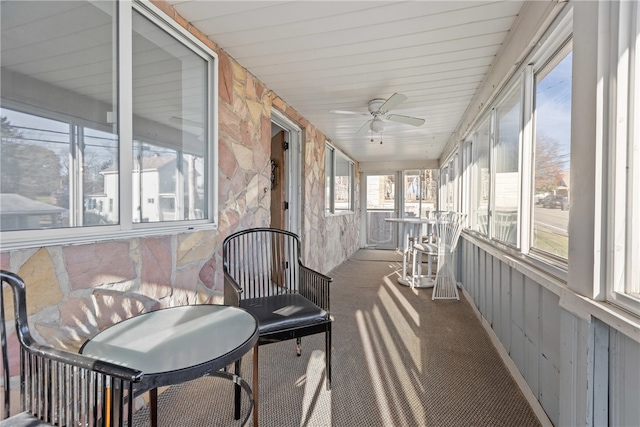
(315, 287)
(232, 291)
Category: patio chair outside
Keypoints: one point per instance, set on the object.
(264, 274)
(57, 387)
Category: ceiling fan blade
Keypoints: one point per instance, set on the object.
(365, 128)
(360, 113)
(393, 101)
(414, 121)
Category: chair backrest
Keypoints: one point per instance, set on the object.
(447, 228)
(56, 386)
(263, 261)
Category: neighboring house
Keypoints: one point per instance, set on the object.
(155, 193)
(21, 213)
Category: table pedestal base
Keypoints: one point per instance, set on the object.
(242, 383)
(424, 282)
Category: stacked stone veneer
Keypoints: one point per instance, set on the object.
(73, 291)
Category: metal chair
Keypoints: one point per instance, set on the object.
(446, 230)
(264, 274)
(426, 245)
(57, 387)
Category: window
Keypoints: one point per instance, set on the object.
(420, 192)
(519, 155)
(552, 150)
(339, 178)
(625, 172)
(506, 181)
(444, 187)
(448, 180)
(79, 149)
(481, 180)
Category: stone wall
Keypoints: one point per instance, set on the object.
(73, 291)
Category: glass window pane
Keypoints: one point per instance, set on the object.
(100, 176)
(552, 152)
(452, 174)
(412, 193)
(35, 172)
(381, 192)
(420, 192)
(328, 179)
(507, 160)
(481, 179)
(59, 57)
(343, 180)
(169, 125)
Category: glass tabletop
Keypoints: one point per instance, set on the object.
(176, 338)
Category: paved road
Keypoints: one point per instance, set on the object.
(553, 219)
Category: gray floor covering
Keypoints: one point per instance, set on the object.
(399, 359)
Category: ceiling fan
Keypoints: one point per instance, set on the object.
(379, 109)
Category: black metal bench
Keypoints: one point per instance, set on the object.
(58, 387)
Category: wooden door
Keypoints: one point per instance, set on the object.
(278, 187)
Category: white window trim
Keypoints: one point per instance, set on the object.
(352, 171)
(21, 239)
(555, 38)
(624, 206)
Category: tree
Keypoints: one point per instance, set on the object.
(29, 170)
(549, 164)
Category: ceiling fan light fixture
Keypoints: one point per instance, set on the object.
(377, 125)
(374, 105)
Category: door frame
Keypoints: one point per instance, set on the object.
(397, 203)
(293, 171)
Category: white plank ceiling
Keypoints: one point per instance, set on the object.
(316, 55)
(337, 55)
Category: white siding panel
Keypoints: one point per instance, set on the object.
(482, 277)
(549, 394)
(624, 368)
(496, 313)
(582, 371)
(532, 334)
(517, 347)
(505, 296)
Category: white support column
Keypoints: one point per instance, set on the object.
(589, 130)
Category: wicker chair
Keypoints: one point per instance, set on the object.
(57, 387)
(263, 273)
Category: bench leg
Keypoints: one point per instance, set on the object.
(327, 356)
(153, 406)
(255, 386)
(238, 394)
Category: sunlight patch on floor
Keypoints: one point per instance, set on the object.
(316, 402)
(402, 374)
(397, 316)
(372, 366)
(404, 303)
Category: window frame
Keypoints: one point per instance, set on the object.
(331, 155)
(557, 36)
(551, 58)
(515, 86)
(449, 178)
(623, 284)
(475, 178)
(126, 228)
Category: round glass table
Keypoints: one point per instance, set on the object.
(178, 344)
